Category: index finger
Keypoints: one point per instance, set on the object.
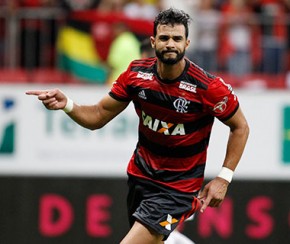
(205, 203)
(35, 92)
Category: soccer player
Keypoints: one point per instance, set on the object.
(176, 102)
(147, 51)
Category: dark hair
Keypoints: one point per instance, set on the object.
(172, 16)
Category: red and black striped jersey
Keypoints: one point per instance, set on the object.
(175, 121)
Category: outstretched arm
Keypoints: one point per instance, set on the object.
(214, 192)
(89, 116)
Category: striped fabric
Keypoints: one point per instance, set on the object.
(175, 121)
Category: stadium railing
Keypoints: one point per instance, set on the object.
(28, 46)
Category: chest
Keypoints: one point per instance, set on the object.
(177, 98)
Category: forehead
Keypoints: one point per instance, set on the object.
(171, 30)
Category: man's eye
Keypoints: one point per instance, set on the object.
(177, 39)
(163, 38)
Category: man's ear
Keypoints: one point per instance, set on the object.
(152, 39)
(187, 43)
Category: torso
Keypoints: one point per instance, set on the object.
(175, 123)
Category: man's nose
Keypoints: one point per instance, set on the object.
(170, 43)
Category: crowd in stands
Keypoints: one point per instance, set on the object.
(238, 37)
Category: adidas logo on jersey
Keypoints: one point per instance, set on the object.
(142, 95)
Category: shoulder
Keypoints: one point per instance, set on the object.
(208, 84)
(199, 76)
(138, 68)
(145, 64)
(144, 61)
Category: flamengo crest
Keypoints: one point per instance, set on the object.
(181, 105)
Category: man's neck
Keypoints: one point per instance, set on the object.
(170, 72)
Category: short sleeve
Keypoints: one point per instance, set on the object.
(220, 99)
(119, 90)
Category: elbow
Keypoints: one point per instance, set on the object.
(245, 129)
(95, 126)
(242, 129)
(248, 129)
(92, 128)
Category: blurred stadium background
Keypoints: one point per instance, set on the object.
(60, 183)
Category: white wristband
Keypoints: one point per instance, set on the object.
(226, 174)
(69, 105)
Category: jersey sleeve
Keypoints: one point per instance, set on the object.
(220, 99)
(119, 90)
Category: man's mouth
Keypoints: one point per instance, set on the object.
(165, 52)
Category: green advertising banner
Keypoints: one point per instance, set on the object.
(286, 135)
(7, 126)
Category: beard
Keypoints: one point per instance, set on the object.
(169, 61)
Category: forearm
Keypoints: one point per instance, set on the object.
(214, 192)
(96, 116)
(235, 147)
(87, 116)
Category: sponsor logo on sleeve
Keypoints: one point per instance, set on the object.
(221, 106)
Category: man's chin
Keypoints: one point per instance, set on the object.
(169, 61)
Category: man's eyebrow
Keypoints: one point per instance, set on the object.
(175, 36)
(178, 36)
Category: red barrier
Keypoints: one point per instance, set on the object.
(255, 80)
(54, 76)
(138, 26)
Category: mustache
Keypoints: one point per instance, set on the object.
(169, 51)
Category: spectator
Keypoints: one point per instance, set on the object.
(140, 9)
(37, 37)
(237, 40)
(274, 35)
(287, 5)
(124, 48)
(208, 24)
(191, 7)
(146, 49)
(115, 6)
(3, 4)
(75, 5)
